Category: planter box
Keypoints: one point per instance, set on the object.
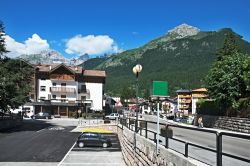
(166, 132)
(142, 124)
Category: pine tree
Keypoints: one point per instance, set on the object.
(15, 78)
(2, 41)
(229, 48)
(226, 80)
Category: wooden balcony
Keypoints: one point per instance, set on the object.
(62, 90)
(64, 77)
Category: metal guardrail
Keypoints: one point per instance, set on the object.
(218, 150)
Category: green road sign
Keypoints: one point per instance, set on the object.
(160, 88)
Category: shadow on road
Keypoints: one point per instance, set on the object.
(28, 125)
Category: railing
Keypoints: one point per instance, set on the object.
(62, 89)
(218, 150)
(83, 91)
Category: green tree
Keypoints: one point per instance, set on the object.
(247, 75)
(146, 94)
(229, 48)
(15, 78)
(226, 81)
(127, 93)
(2, 41)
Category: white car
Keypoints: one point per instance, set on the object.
(113, 116)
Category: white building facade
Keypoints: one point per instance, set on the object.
(68, 90)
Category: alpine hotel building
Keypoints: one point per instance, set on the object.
(65, 90)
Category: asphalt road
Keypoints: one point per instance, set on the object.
(236, 146)
(36, 141)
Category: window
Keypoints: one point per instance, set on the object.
(63, 84)
(43, 88)
(53, 96)
(83, 98)
(54, 84)
(83, 88)
(43, 78)
(42, 98)
(63, 98)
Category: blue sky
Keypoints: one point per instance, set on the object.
(74, 27)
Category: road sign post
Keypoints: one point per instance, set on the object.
(160, 90)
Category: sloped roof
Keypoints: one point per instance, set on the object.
(52, 67)
(183, 91)
(200, 90)
(73, 69)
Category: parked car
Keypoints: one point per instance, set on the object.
(178, 119)
(113, 116)
(93, 139)
(188, 120)
(42, 115)
(163, 116)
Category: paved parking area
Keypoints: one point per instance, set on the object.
(95, 155)
(36, 142)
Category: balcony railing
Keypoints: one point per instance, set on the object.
(62, 90)
(83, 91)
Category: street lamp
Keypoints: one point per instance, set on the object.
(136, 70)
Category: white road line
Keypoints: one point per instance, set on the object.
(93, 164)
(41, 130)
(91, 155)
(97, 149)
(67, 154)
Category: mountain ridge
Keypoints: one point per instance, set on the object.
(183, 62)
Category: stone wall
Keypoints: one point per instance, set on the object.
(233, 124)
(146, 152)
(227, 123)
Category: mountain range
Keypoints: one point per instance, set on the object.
(52, 56)
(182, 57)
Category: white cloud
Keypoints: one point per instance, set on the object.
(32, 45)
(135, 33)
(92, 45)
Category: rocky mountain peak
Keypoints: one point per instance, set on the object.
(183, 30)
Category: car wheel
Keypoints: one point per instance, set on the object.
(104, 145)
(80, 144)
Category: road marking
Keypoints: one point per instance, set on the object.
(96, 149)
(91, 155)
(56, 128)
(40, 130)
(93, 163)
(67, 154)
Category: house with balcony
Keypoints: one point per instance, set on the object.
(184, 102)
(67, 90)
